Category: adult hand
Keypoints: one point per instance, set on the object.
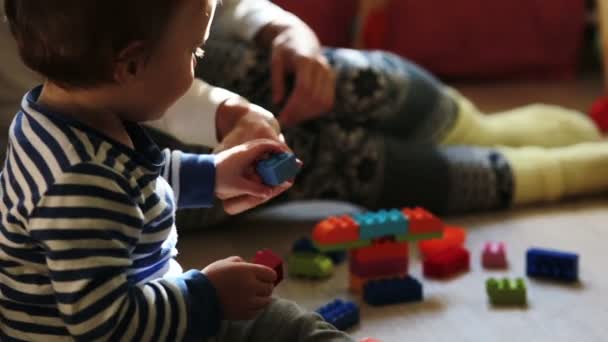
(296, 50)
(240, 121)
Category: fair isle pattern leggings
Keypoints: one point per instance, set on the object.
(379, 146)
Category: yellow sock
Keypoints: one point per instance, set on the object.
(533, 125)
(547, 174)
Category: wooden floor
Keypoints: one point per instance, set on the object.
(457, 310)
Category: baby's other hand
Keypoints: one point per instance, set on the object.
(237, 183)
(243, 289)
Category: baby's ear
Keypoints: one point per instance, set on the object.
(130, 62)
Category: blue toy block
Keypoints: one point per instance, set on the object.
(392, 291)
(278, 168)
(341, 314)
(552, 264)
(382, 223)
(305, 244)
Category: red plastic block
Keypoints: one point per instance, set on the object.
(447, 263)
(380, 250)
(452, 237)
(422, 221)
(494, 255)
(334, 230)
(267, 257)
(378, 268)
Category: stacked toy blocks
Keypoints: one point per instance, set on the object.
(278, 168)
(341, 314)
(494, 255)
(506, 292)
(268, 258)
(552, 264)
(378, 250)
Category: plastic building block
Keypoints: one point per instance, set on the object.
(382, 223)
(452, 237)
(506, 292)
(392, 291)
(552, 264)
(378, 268)
(341, 314)
(382, 249)
(417, 237)
(447, 263)
(356, 283)
(336, 230)
(305, 244)
(267, 257)
(278, 168)
(494, 255)
(369, 339)
(422, 221)
(307, 264)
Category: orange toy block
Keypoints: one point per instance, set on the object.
(336, 229)
(357, 283)
(422, 221)
(382, 249)
(452, 237)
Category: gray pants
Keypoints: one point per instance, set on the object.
(282, 321)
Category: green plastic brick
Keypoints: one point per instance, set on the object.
(307, 264)
(418, 237)
(506, 292)
(343, 246)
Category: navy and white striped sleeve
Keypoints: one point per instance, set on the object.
(192, 177)
(88, 225)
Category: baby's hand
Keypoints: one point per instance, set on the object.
(243, 289)
(237, 183)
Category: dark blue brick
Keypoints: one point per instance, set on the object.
(278, 168)
(341, 314)
(392, 291)
(552, 264)
(305, 244)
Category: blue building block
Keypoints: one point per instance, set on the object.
(552, 264)
(392, 291)
(382, 223)
(278, 168)
(305, 244)
(341, 314)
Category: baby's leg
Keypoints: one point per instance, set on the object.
(282, 321)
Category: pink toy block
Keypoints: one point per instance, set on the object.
(267, 257)
(494, 255)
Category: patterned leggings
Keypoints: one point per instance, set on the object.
(379, 146)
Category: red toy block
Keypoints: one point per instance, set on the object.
(336, 229)
(446, 263)
(379, 268)
(452, 237)
(380, 250)
(494, 255)
(422, 221)
(267, 257)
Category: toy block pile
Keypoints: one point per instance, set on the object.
(378, 250)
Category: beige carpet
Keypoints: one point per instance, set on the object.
(457, 310)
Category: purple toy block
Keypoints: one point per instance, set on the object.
(494, 255)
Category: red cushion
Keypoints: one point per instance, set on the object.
(331, 19)
(481, 38)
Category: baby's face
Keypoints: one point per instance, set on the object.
(169, 71)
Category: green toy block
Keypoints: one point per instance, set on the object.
(418, 237)
(311, 265)
(342, 246)
(506, 292)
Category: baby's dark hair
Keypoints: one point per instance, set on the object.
(75, 43)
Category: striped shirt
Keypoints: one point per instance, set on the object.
(88, 237)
